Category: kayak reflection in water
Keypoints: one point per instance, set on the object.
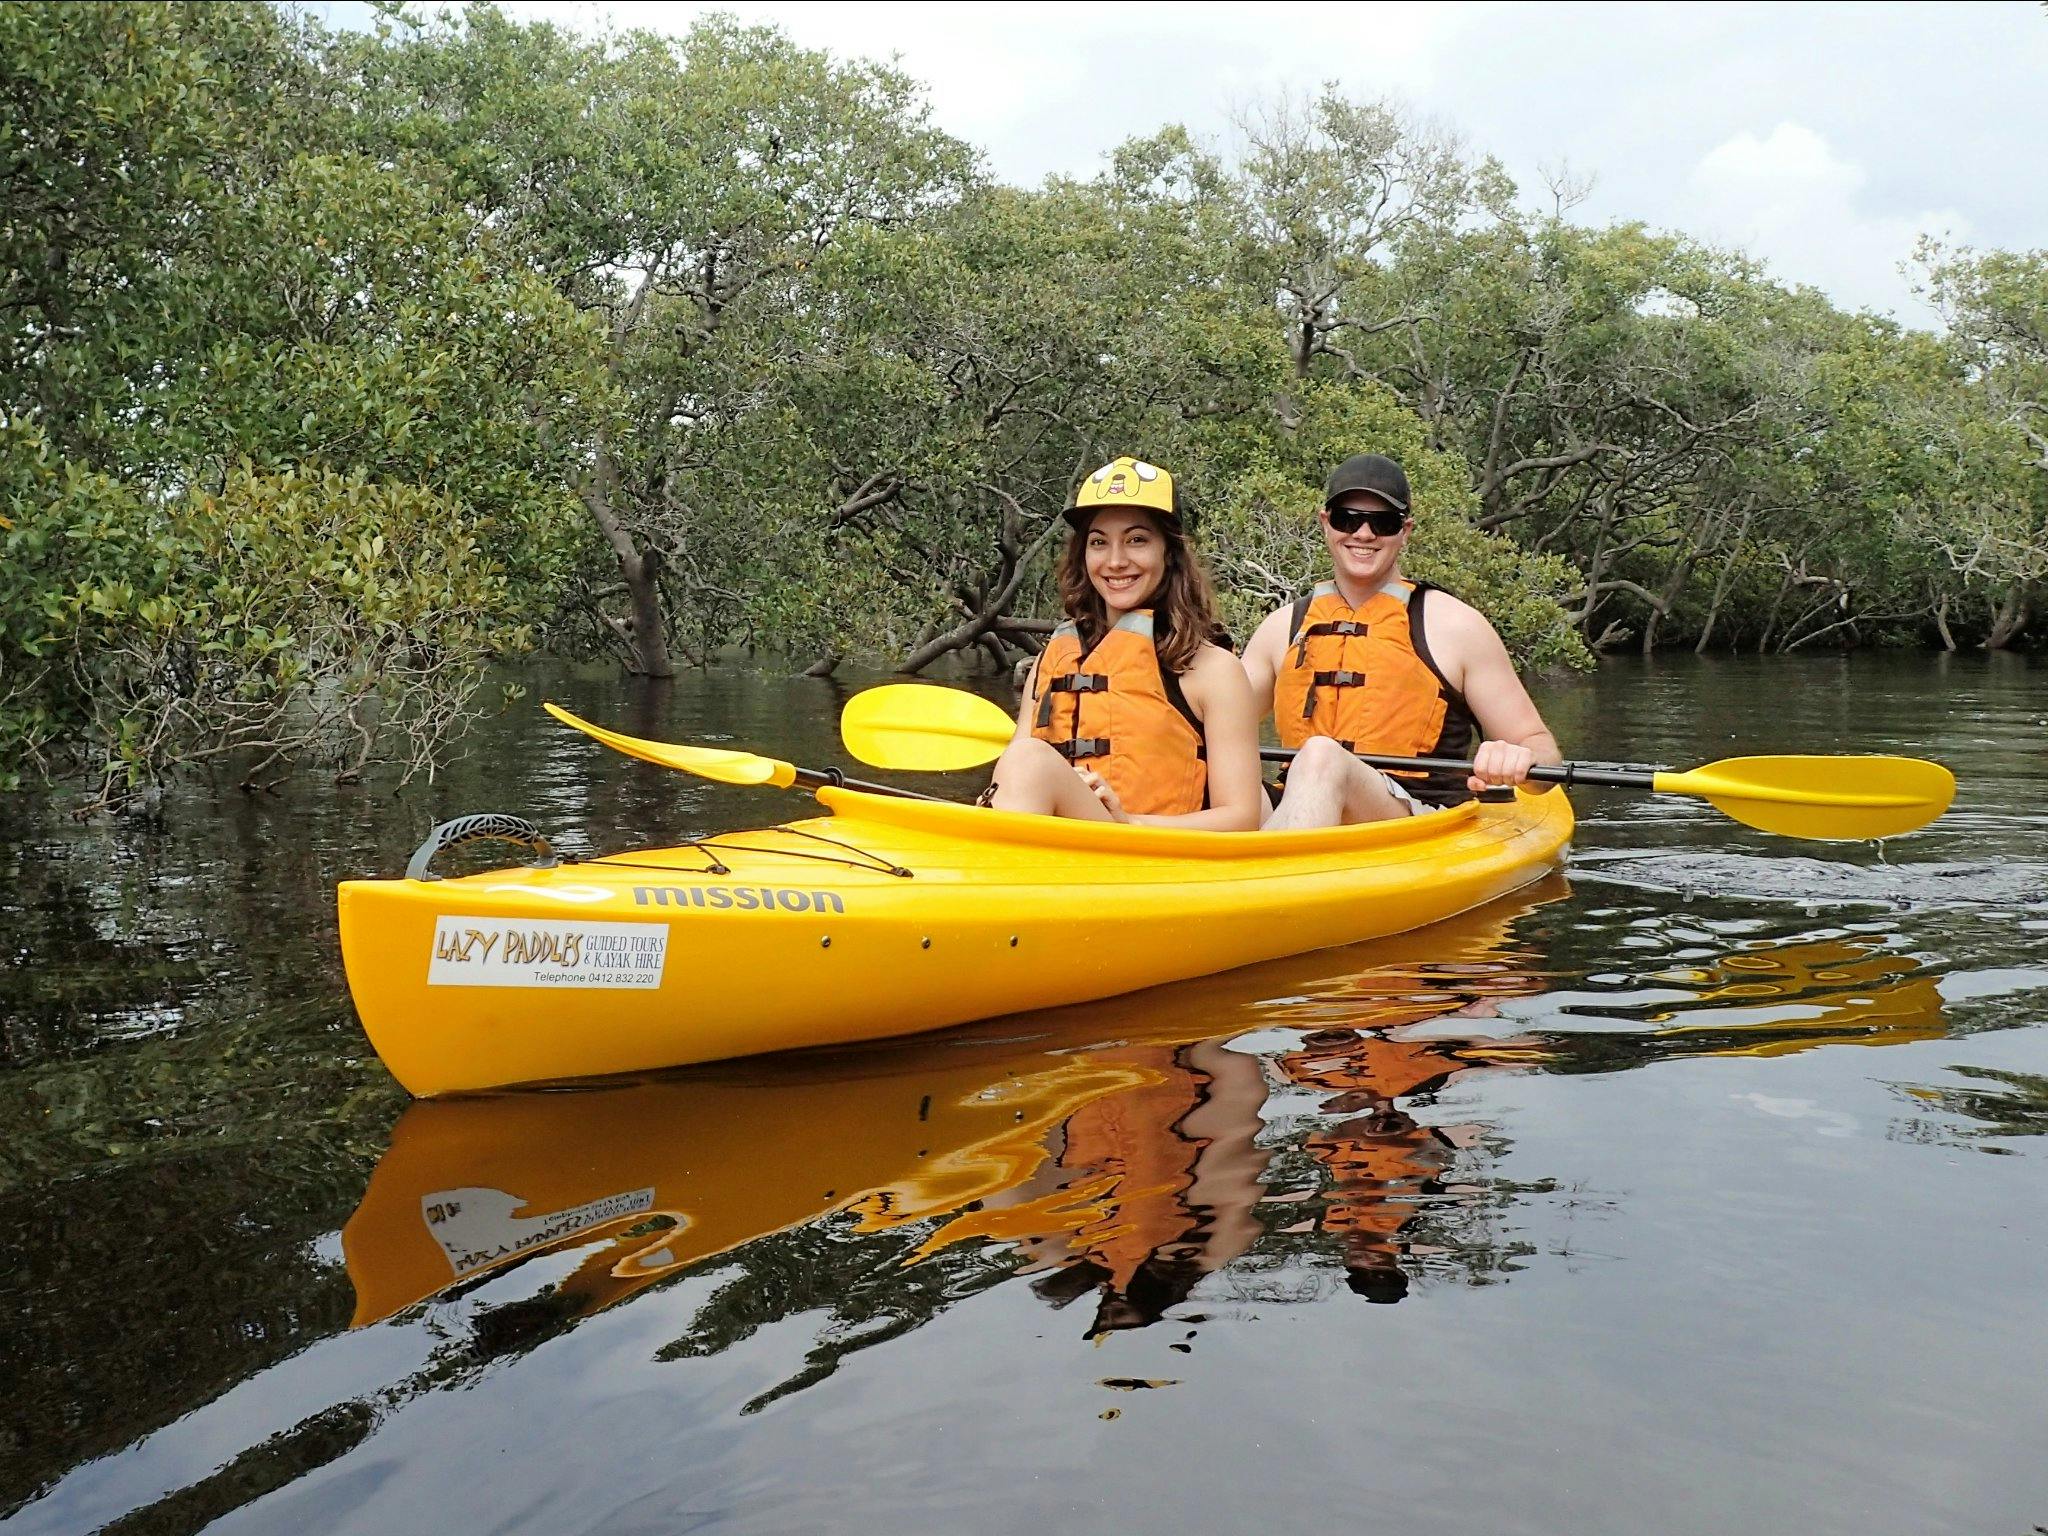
(1285, 1127)
(1137, 710)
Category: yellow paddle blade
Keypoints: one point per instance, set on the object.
(706, 762)
(922, 726)
(1837, 798)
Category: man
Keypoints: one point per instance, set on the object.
(1373, 662)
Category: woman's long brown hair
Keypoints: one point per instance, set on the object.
(1183, 608)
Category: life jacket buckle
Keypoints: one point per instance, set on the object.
(1339, 679)
(1347, 629)
(1082, 746)
(1080, 682)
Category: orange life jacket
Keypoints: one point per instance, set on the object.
(1117, 709)
(1364, 676)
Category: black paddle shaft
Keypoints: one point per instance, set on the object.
(1610, 775)
(832, 778)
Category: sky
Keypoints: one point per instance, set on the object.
(1821, 139)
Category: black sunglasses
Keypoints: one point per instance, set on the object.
(1384, 521)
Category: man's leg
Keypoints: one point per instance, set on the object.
(1328, 787)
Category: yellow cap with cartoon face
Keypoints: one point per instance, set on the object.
(1125, 482)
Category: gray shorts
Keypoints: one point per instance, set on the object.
(1400, 792)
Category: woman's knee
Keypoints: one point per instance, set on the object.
(1031, 758)
(1026, 776)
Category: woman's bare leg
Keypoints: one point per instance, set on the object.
(1030, 776)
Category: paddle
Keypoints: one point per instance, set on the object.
(727, 767)
(921, 726)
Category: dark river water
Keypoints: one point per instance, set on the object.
(1701, 1190)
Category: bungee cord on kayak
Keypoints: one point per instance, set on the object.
(852, 857)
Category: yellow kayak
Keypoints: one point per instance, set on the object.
(885, 917)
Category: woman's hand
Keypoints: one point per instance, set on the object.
(1500, 762)
(1100, 788)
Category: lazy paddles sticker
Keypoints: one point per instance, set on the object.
(545, 952)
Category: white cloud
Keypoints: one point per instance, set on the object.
(1791, 200)
(1793, 161)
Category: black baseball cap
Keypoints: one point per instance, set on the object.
(1368, 472)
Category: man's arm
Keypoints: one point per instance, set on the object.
(1478, 666)
(1262, 659)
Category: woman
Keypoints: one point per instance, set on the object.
(1137, 711)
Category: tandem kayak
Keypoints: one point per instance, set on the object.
(886, 916)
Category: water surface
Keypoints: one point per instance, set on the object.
(1700, 1190)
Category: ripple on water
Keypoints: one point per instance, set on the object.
(2015, 885)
